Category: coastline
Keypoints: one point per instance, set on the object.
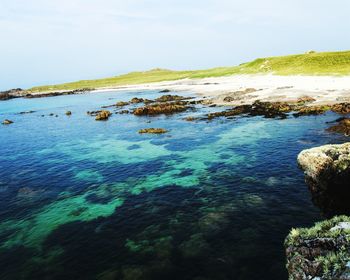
(245, 89)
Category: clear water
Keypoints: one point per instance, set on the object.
(82, 199)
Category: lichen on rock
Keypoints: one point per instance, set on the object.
(327, 173)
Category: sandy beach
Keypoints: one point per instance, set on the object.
(245, 89)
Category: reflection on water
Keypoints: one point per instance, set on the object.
(82, 199)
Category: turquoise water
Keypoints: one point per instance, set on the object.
(82, 199)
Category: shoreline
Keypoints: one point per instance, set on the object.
(239, 89)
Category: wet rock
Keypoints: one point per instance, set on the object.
(121, 104)
(136, 100)
(341, 108)
(168, 98)
(312, 110)
(26, 112)
(327, 173)
(320, 252)
(161, 108)
(124, 112)
(343, 126)
(164, 91)
(68, 113)
(7, 122)
(103, 115)
(153, 130)
(258, 108)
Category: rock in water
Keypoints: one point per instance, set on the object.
(153, 130)
(103, 115)
(320, 252)
(342, 126)
(7, 122)
(68, 113)
(327, 173)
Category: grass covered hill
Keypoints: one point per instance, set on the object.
(311, 63)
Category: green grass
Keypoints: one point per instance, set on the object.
(326, 63)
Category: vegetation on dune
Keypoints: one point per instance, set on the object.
(311, 63)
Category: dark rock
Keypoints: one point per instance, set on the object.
(168, 98)
(164, 91)
(68, 113)
(6, 122)
(26, 112)
(57, 93)
(162, 108)
(12, 93)
(327, 173)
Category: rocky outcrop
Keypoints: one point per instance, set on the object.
(327, 173)
(153, 130)
(341, 108)
(12, 93)
(312, 110)
(57, 93)
(320, 252)
(162, 108)
(169, 97)
(103, 115)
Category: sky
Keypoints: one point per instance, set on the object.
(55, 41)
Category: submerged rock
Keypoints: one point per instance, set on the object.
(153, 130)
(320, 252)
(327, 173)
(103, 115)
(6, 122)
(342, 126)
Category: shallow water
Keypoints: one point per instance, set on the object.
(82, 199)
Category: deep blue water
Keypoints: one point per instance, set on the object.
(82, 199)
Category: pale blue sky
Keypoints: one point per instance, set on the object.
(53, 41)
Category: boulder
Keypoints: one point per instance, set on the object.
(103, 115)
(320, 252)
(327, 174)
(121, 104)
(68, 113)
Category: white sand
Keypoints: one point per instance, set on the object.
(325, 89)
